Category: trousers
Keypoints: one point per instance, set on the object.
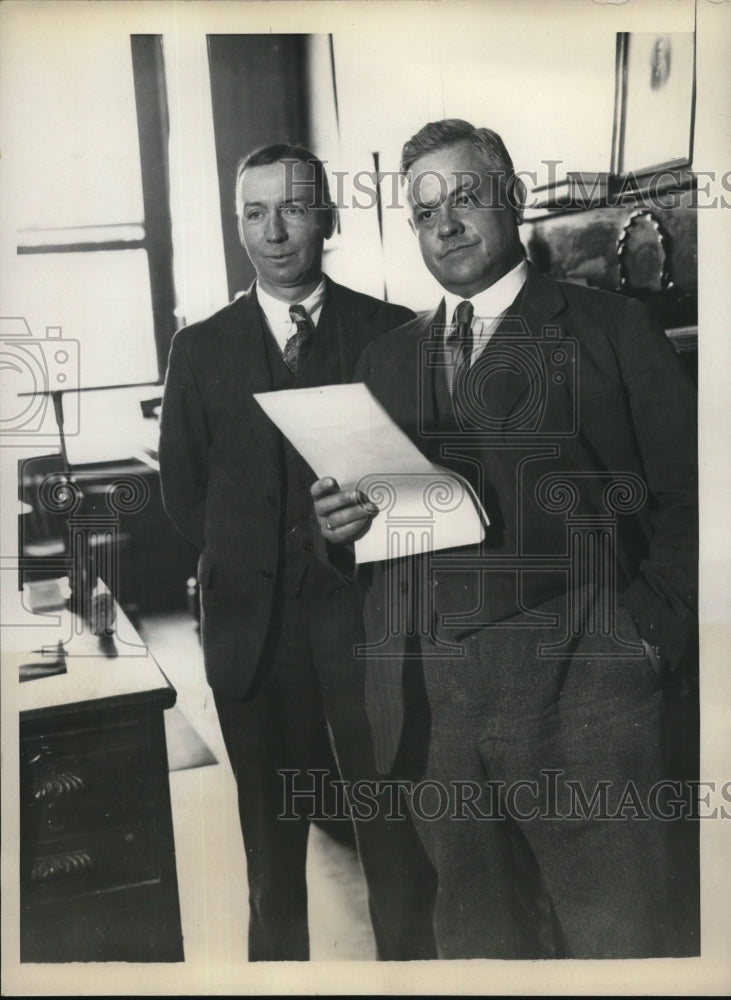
(535, 800)
(302, 730)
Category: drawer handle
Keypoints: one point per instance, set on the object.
(57, 786)
(56, 865)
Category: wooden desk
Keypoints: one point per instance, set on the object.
(97, 857)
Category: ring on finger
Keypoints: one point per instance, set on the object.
(328, 525)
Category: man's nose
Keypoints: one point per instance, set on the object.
(276, 231)
(449, 222)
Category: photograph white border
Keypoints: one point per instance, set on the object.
(711, 973)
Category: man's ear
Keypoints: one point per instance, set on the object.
(239, 209)
(331, 220)
(517, 197)
(405, 187)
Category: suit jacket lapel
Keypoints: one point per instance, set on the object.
(325, 363)
(538, 302)
(244, 366)
(431, 381)
(245, 354)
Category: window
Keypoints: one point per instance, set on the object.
(94, 252)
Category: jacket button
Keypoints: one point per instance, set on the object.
(267, 574)
(403, 587)
(271, 500)
(307, 546)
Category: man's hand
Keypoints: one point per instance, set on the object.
(343, 515)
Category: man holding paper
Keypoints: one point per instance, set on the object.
(279, 626)
(545, 648)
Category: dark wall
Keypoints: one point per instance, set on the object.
(259, 93)
(154, 131)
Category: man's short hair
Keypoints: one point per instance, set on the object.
(449, 132)
(281, 152)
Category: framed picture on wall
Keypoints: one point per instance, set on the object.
(654, 102)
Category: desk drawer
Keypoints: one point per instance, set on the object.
(89, 779)
(108, 861)
(87, 793)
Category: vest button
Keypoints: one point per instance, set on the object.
(271, 500)
(307, 546)
(403, 587)
(267, 574)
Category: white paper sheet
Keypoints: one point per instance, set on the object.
(342, 431)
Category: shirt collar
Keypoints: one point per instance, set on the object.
(277, 311)
(493, 301)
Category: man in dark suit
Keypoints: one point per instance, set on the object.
(278, 627)
(544, 651)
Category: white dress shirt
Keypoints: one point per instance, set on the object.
(277, 312)
(490, 306)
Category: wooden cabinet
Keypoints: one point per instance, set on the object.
(97, 854)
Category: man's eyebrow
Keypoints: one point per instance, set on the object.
(424, 203)
(470, 182)
(282, 204)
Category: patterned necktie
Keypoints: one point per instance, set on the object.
(460, 337)
(298, 345)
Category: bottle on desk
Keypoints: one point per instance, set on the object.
(102, 612)
(90, 598)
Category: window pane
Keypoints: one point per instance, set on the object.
(73, 129)
(102, 299)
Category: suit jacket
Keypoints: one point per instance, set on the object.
(221, 461)
(579, 413)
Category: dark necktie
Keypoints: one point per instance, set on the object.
(460, 339)
(298, 345)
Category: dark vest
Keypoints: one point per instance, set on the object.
(493, 594)
(298, 565)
